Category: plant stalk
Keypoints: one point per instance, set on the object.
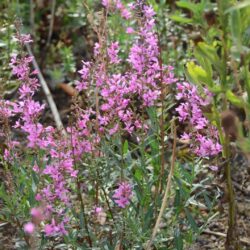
(232, 242)
(167, 192)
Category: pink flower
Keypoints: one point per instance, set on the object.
(36, 168)
(49, 229)
(203, 136)
(60, 172)
(106, 3)
(185, 136)
(118, 90)
(113, 53)
(214, 168)
(183, 111)
(123, 194)
(56, 228)
(24, 38)
(130, 30)
(85, 74)
(98, 210)
(37, 214)
(114, 129)
(97, 49)
(38, 197)
(29, 228)
(149, 11)
(125, 13)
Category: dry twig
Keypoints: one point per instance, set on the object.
(243, 240)
(51, 25)
(32, 19)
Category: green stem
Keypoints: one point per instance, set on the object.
(79, 195)
(26, 238)
(246, 78)
(232, 234)
(83, 212)
(122, 156)
(162, 127)
(223, 23)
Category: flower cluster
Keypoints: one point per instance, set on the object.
(123, 95)
(120, 99)
(59, 167)
(6, 109)
(117, 5)
(6, 112)
(38, 214)
(123, 194)
(203, 135)
(26, 108)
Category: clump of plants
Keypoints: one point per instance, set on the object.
(113, 178)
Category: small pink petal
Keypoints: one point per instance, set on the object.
(29, 228)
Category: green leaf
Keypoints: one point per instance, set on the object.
(148, 218)
(177, 202)
(154, 4)
(138, 174)
(198, 75)
(81, 217)
(154, 154)
(184, 192)
(152, 112)
(187, 175)
(210, 53)
(205, 63)
(191, 221)
(207, 200)
(238, 6)
(178, 240)
(235, 24)
(216, 89)
(187, 5)
(235, 100)
(2, 44)
(34, 187)
(125, 147)
(181, 19)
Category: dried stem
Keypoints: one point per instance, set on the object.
(52, 19)
(32, 19)
(243, 240)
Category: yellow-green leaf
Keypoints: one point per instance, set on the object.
(235, 100)
(198, 75)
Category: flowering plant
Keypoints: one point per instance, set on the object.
(117, 137)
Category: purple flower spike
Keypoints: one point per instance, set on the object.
(123, 194)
